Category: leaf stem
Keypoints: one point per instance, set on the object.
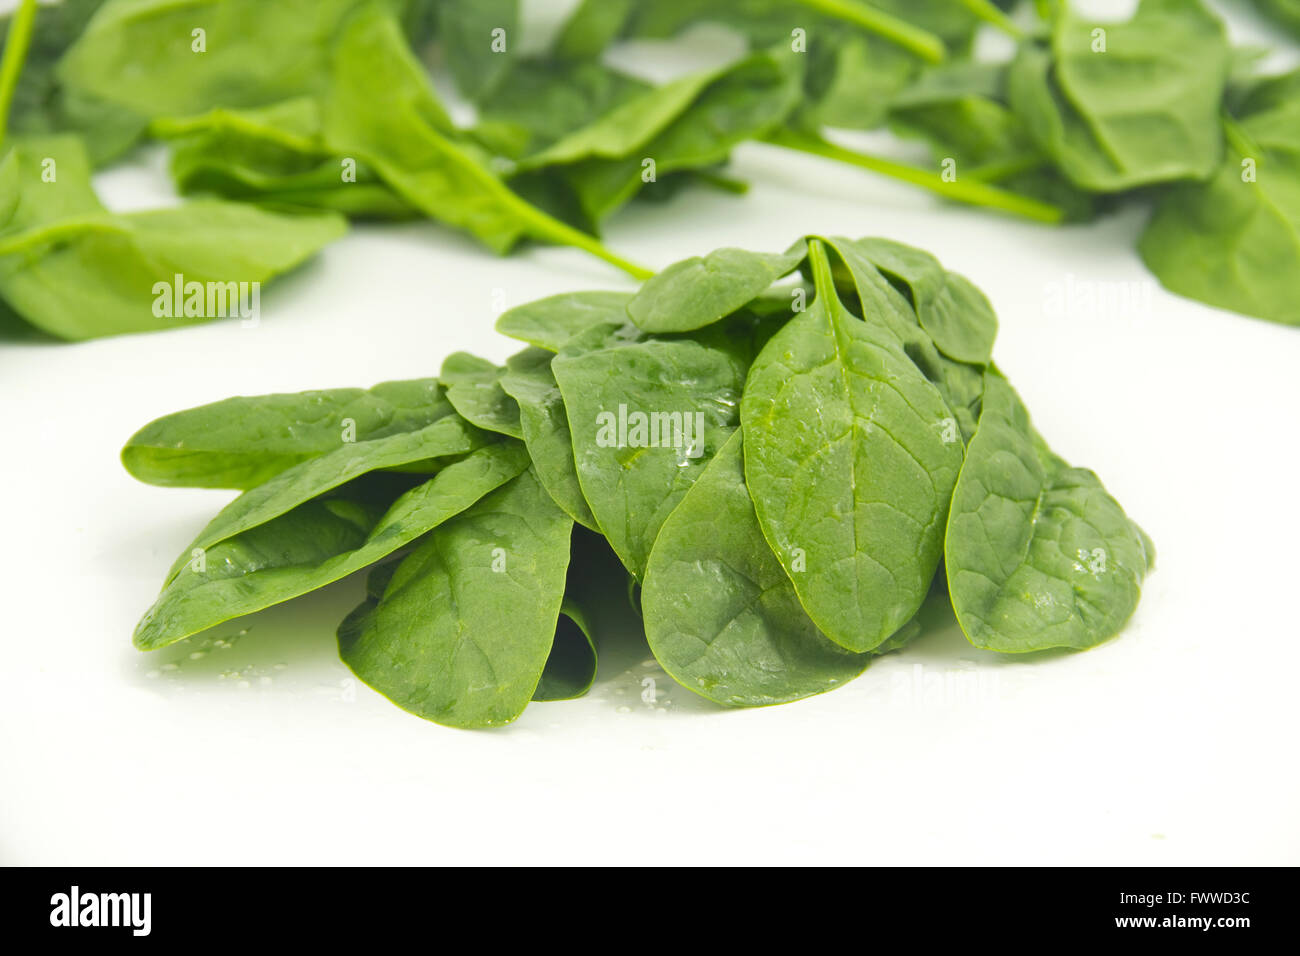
(972, 192)
(17, 41)
(910, 37)
(547, 227)
(988, 12)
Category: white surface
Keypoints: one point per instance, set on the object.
(1173, 744)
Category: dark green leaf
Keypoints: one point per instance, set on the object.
(1038, 554)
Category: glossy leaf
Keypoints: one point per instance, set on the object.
(463, 630)
(545, 425)
(955, 314)
(702, 290)
(549, 323)
(1038, 555)
(474, 390)
(633, 468)
(313, 545)
(721, 614)
(847, 463)
(449, 436)
(243, 442)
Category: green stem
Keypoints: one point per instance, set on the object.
(539, 224)
(975, 193)
(988, 12)
(546, 227)
(16, 43)
(907, 35)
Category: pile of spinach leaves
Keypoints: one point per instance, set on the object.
(288, 118)
(774, 465)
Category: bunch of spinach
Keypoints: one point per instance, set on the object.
(801, 458)
(327, 108)
(1086, 115)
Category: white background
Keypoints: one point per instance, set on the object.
(1175, 743)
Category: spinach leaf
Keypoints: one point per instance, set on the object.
(1038, 555)
(463, 630)
(688, 124)
(274, 154)
(591, 27)
(313, 545)
(847, 464)
(1234, 241)
(93, 273)
(376, 104)
(478, 40)
(243, 442)
(474, 390)
(545, 425)
(77, 271)
(42, 106)
(721, 614)
(540, 103)
(955, 314)
(1141, 111)
(449, 436)
(960, 110)
(960, 383)
(646, 414)
(702, 290)
(549, 323)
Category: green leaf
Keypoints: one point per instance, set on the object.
(243, 442)
(1234, 241)
(42, 106)
(1038, 555)
(255, 53)
(722, 617)
(449, 436)
(313, 545)
(545, 425)
(549, 323)
(646, 414)
(954, 313)
(591, 27)
(702, 290)
(468, 32)
(540, 103)
(847, 463)
(463, 630)
(1143, 111)
(273, 154)
(689, 124)
(77, 271)
(474, 390)
(961, 384)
